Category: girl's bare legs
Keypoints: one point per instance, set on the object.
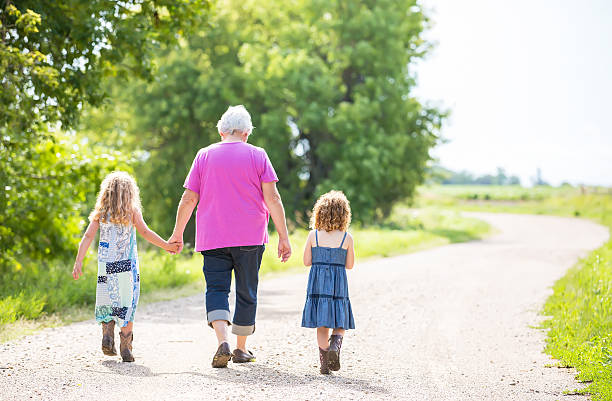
(322, 337)
(338, 332)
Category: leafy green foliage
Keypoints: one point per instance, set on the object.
(328, 84)
(49, 287)
(46, 191)
(53, 56)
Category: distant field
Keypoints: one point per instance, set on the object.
(580, 309)
(590, 202)
(495, 192)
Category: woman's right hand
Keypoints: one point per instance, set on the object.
(172, 248)
(176, 239)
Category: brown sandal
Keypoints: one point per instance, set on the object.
(239, 356)
(108, 338)
(222, 356)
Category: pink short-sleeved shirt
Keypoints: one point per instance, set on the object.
(231, 210)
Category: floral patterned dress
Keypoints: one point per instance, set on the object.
(118, 285)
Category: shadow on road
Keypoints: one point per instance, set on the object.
(263, 375)
(257, 375)
(127, 369)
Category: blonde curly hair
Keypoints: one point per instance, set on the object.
(118, 198)
(331, 212)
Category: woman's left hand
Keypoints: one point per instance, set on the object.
(77, 271)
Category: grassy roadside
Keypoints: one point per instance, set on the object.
(579, 329)
(47, 296)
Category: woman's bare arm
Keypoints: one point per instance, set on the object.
(275, 205)
(188, 202)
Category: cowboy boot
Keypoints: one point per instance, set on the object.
(335, 344)
(324, 361)
(108, 338)
(126, 346)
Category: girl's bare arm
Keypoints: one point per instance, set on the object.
(151, 235)
(350, 252)
(308, 250)
(86, 241)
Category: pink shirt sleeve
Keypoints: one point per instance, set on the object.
(267, 173)
(192, 182)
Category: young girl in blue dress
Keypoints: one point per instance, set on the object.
(117, 215)
(330, 250)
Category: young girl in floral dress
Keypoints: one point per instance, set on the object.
(117, 215)
(330, 250)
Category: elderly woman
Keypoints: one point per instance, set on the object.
(234, 185)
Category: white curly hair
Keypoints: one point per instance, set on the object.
(235, 119)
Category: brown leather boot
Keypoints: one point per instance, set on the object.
(126, 346)
(335, 344)
(108, 338)
(324, 361)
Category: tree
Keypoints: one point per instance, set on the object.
(53, 56)
(328, 84)
(538, 180)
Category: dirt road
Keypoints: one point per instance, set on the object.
(451, 323)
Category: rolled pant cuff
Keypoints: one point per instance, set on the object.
(243, 330)
(218, 314)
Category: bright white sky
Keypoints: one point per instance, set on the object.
(528, 83)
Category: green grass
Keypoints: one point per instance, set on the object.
(37, 296)
(579, 327)
(496, 192)
(34, 296)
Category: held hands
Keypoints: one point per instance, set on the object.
(284, 249)
(176, 241)
(172, 248)
(77, 270)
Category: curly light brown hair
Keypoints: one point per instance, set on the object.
(117, 200)
(331, 212)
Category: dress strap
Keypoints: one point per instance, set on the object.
(317, 237)
(342, 243)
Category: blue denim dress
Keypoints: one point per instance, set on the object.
(327, 297)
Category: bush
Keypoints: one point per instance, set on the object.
(46, 193)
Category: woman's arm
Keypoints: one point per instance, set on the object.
(308, 250)
(275, 205)
(151, 235)
(86, 241)
(350, 252)
(188, 202)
